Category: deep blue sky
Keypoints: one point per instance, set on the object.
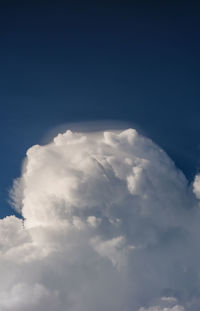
(62, 62)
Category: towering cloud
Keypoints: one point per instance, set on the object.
(108, 223)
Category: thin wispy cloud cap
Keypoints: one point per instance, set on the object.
(107, 223)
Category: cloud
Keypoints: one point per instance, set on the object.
(175, 308)
(108, 223)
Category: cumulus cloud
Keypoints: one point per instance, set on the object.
(108, 223)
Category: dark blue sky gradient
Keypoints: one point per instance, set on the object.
(62, 62)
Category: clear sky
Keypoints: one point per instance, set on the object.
(76, 62)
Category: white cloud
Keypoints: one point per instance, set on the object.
(158, 308)
(196, 186)
(109, 224)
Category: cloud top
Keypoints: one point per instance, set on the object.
(109, 223)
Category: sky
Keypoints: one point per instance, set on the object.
(65, 61)
(100, 156)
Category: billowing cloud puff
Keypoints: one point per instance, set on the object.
(108, 223)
